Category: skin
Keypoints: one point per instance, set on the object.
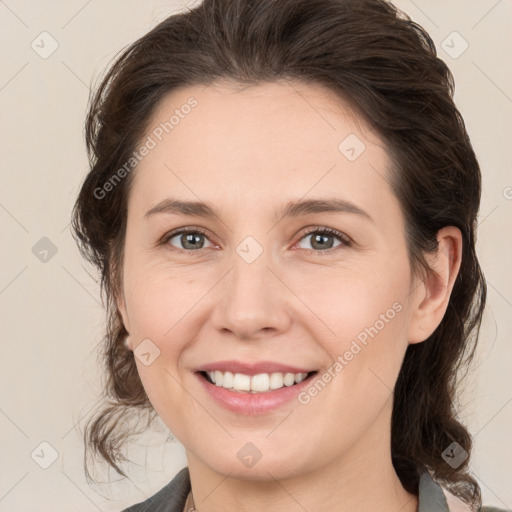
(248, 151)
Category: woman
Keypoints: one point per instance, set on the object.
(282, 204)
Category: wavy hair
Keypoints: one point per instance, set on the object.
(369, 53)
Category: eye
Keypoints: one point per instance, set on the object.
(190, 239)
(321, 239)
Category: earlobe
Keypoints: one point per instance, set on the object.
(432, 296)
(127, 342)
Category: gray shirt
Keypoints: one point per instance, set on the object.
(173, 496)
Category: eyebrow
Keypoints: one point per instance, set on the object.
(291, 209)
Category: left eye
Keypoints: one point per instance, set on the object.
(322, 239)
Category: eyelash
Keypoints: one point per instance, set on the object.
(346, 242)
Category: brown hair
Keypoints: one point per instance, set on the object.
(386, 65)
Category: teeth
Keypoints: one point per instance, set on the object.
(227, 379)
(260, 382)
(240, 382)
(257, 383)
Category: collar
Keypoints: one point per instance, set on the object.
(434, 498)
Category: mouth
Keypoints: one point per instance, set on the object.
(253, 387)
(255, 384)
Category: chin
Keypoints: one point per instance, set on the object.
(265, 469)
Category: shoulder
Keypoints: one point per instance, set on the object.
(170, 498)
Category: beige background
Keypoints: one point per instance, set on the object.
(51, 312)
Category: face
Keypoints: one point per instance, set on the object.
(298, 265)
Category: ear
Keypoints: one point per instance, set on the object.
(121, 306)
(432, 295)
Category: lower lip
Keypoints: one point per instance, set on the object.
(253, 403)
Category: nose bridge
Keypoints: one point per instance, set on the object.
(250, 274)
(252, 296)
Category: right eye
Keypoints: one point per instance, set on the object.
(191, 240)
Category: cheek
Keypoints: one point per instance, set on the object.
(366, 352)
(350, 302)
(157, 301)
(367, 316)
(158, 312)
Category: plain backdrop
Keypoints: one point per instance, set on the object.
(52, 317)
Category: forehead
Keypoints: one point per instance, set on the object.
(284, 112)
(257, 144)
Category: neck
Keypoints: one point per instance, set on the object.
(363, 479)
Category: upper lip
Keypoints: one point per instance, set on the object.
(252, 368)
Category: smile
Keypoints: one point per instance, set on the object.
(271, 391)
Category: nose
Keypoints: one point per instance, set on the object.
(253, 301)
